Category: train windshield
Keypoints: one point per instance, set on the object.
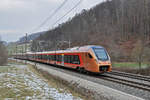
(101, 54)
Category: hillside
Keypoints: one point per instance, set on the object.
(121, 26)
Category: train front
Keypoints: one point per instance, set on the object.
(102, 59)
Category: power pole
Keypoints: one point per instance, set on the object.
(22, 49)
(26, 37)
(16, 52)
(69, 39)
(26, 42)
(69, 43)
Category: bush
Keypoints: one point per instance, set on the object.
(3, 54)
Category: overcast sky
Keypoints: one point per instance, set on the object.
(18, 17)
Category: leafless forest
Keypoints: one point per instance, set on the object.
(121, 26)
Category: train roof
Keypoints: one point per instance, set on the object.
(70, 50)
(92, 46)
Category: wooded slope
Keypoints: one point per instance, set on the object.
(121, 26)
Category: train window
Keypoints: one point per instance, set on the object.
(43, 57)
(60, 58)
(57, 57)
(73, 59)
(90, 56)
(53, 57)
(69, 58)
(65, 58)
(76, 59)
(101, 54)
(38, 56)
(46, 57)
(50, 57)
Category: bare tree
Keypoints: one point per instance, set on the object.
(141, 52)
(3, 55)
(118, 20)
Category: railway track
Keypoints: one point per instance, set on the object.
(113, 77)
(129, 75)
(127, 79)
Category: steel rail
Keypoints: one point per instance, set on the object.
(107, 77)
(134, 84)
(129, 75)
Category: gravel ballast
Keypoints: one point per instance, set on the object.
(86, 87)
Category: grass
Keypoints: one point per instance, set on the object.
(15, 62)
(57, 84)
(5, 69)
(20, 90)
(17, 88)
(129, 64)
(132, 67)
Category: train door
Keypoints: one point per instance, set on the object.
(47, 58)
(62, 61)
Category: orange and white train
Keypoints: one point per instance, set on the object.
(89, 58)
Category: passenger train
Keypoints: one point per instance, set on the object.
(89, 58)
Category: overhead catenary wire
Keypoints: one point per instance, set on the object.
(51, 15)
(64, 16)
(55, 13)
(67, 13)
